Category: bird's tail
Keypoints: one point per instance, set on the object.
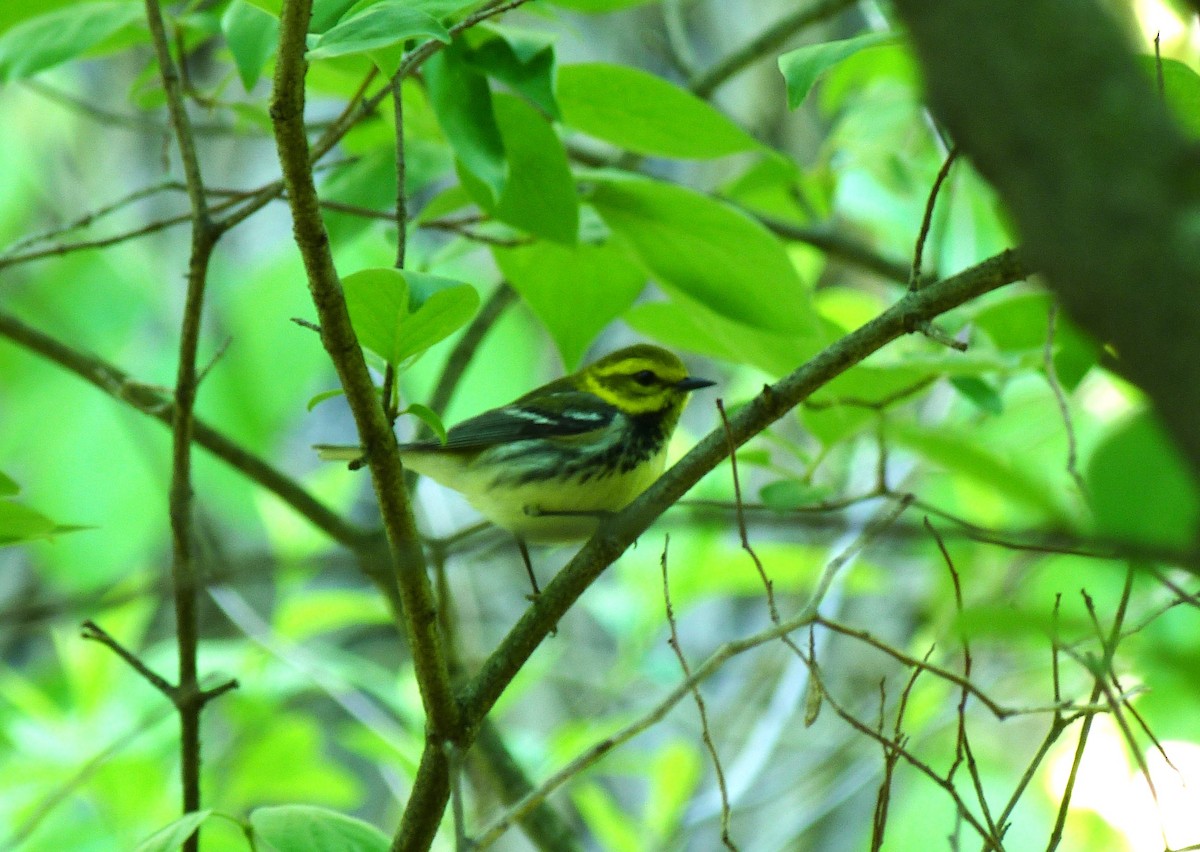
(338, 452)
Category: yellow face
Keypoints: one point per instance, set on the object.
(638, 380)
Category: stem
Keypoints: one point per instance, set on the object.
(189, 699)
(423, 813)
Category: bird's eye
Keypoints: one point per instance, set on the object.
(645, 377)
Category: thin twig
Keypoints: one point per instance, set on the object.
(430, 791)
(808, 616)
(990, 841)
(702, 711)
(94, 632)
(768, 586)
(1110, 646)
(189, 698)
(1060, 399)
(962, 746)
(837, 244)
(914, 275)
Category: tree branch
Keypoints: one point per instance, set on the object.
(387, 474)
(153, 402)
(190, 699)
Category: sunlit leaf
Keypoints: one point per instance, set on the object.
(539, 195)
(381, 25)
(1181, 88)
(170, 837)
(462, 102)
(689, 326)
(377, 300)
(644, 113)
(672, 777)
(598, 6)
(317, 399)
(803, 66)
(709, 251)
(399, 314)
(1139, 487)
(957, 451)
(986, 397)
(288, 828)
(575, 290)
(604, 817)
(786, 495)
(521, 59)
(429, 417)
(442, 314)
(252, 35)
(59, 36)
(20, 523)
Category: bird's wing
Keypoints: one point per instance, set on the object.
(563, 414)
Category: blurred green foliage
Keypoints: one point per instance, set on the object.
(561, 152)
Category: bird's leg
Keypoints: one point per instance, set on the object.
(532, 579)
(535, 511)
(521, 546)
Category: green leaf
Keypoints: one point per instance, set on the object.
(961, 452)
(462, 102)
(576, 291)
(62, 35)
(8, 485)
(19, 523)
(644, 113)
(522, 59)
(322, 396)
(397, 326)
(539, 195)
(271, 7)
(874, 383)
(683, 324)
(377, 300)
(171, 836)
(836, 423)
(302, 617)
(708, 251)
(252, 35)
(1140, 489)
(787, 495)
(672, 776)
(296, 828)
(385, 24)
(429, 417)
(443, 313)
(979, 392)
(1181, 88)
(597, 7)
(327, 13)
(612, 826)
(12, 13)
(802, 67)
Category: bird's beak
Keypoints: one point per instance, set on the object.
(692, 383)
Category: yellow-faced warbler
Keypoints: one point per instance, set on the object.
(550, 464)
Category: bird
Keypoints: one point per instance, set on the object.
(551, 464)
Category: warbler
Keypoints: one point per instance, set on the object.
(549, 465)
